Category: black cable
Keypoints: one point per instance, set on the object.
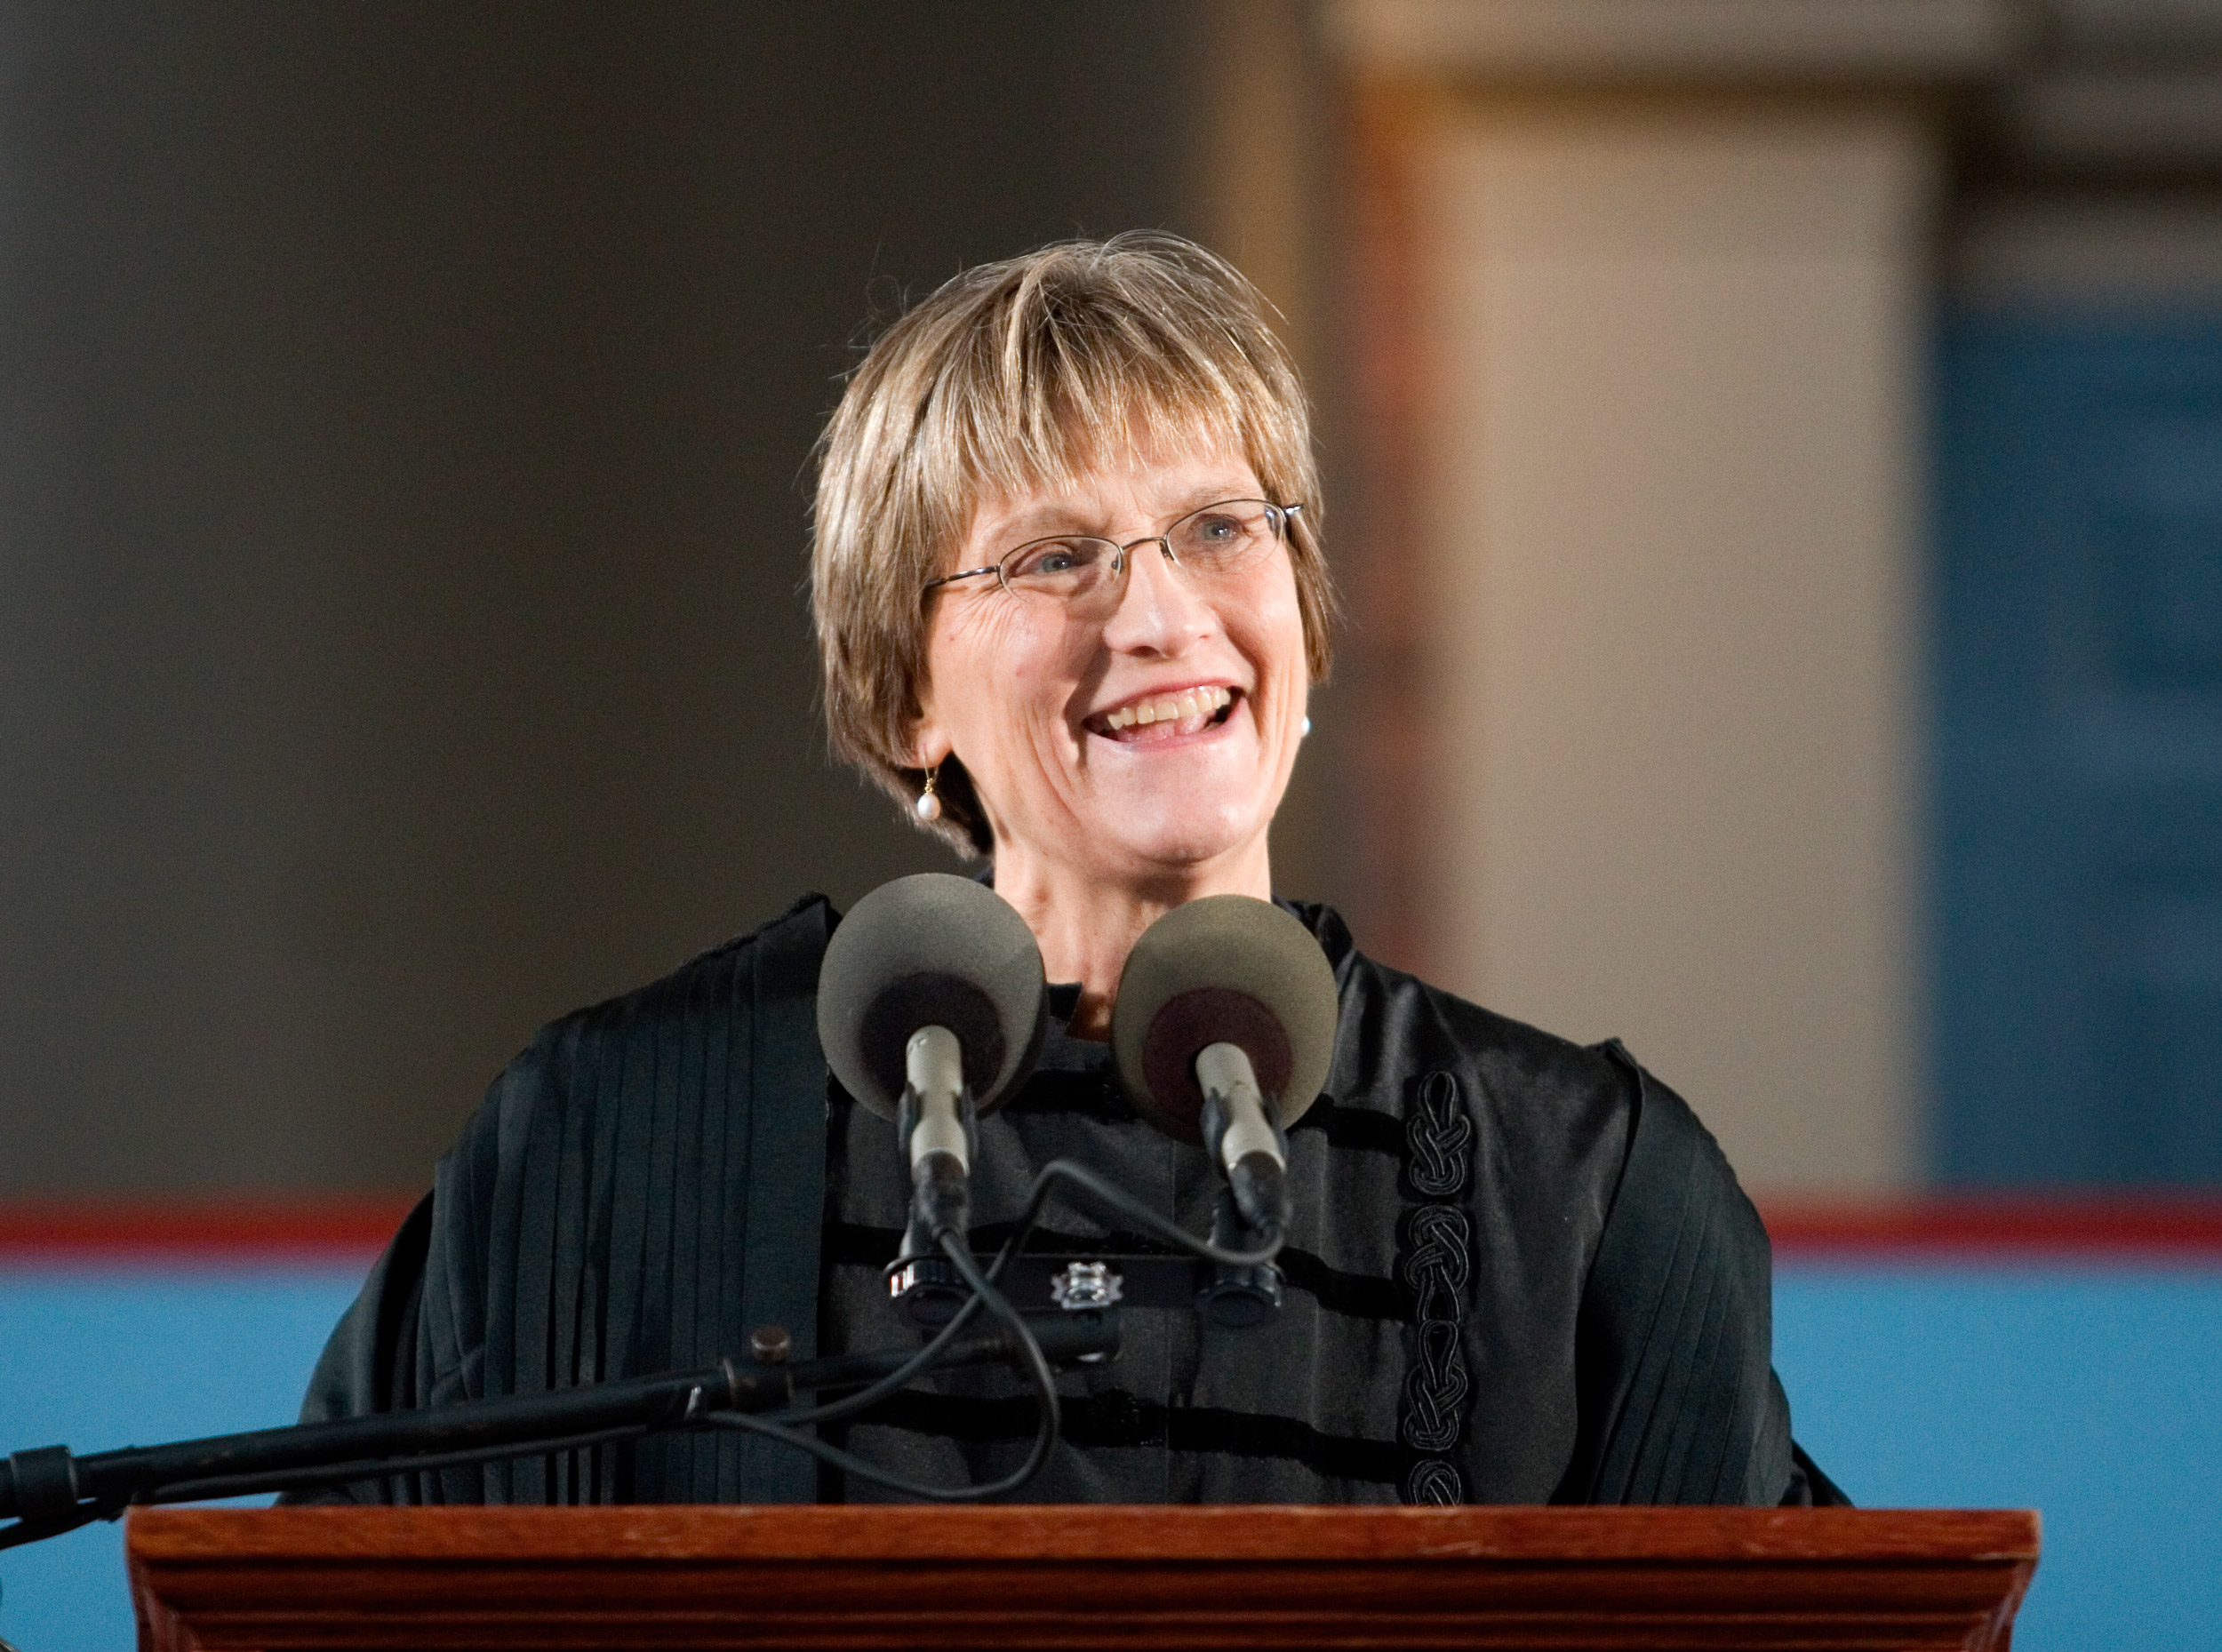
(777, 1426)
(774, 1426)
(1045, 1434)
(901, 1376)
(836, 1410)
(1037, 1200)
(384, 1468)
(954, 1247)
(782, 1425)
(1130, 1207)
(984, 1294)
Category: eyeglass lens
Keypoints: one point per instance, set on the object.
(1216, 542)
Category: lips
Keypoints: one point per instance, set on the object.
(1164, 715)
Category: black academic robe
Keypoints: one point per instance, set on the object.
(1520, 1270)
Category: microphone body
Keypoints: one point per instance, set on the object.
(937, 1122)
(1222, 1033)
(931, 1009)
(1242, 1131)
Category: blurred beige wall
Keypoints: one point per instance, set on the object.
(1674, 404)
(1645, 287)
(1670, 268)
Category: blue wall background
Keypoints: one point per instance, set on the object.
(99, 1359)
(2089, 1392)
(2076, 615)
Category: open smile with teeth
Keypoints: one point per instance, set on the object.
(1188, 711)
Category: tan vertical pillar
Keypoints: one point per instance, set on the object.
(1671, 434)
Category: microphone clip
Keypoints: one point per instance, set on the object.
(939, 1137)
(1256, 1175)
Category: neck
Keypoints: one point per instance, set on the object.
(1086, 925)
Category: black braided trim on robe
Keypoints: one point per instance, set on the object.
(1437, 1263)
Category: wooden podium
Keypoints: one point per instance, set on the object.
(1073, 1577)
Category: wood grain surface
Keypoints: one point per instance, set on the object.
(821, 1578)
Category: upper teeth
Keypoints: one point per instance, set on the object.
(1172, 708)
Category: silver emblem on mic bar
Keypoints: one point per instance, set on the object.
(1084, 1285)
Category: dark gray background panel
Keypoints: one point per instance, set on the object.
(404, 414)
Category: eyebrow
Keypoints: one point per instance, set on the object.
(1048, 521)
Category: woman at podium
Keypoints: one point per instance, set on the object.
(1070, 593)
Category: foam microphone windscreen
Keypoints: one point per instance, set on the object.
(932, 950)
(1228, 968)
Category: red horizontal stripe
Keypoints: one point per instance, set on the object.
(323, 1230)
(2123, 1227)
(352, 1229)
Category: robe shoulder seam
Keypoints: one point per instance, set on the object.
(1473, 1033)
(622, 1006)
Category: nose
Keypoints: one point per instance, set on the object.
(1159, 611)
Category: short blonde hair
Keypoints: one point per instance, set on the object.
(1014, 376)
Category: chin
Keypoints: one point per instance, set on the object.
(1185, 836)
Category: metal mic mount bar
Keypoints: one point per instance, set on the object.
(52, 1488)
(928, 1290)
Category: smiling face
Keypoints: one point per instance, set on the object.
(1155, 742)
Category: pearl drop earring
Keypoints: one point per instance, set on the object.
(929, 806)
(1306, 730)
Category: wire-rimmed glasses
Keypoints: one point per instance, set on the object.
(1087, 574)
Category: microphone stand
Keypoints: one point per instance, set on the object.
(50, 1490)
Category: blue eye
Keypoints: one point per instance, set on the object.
(1222, 536)
(1057, 562)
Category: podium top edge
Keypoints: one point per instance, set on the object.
(1238, 1533)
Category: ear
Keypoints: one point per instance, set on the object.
(929, 735)
(930, 742)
